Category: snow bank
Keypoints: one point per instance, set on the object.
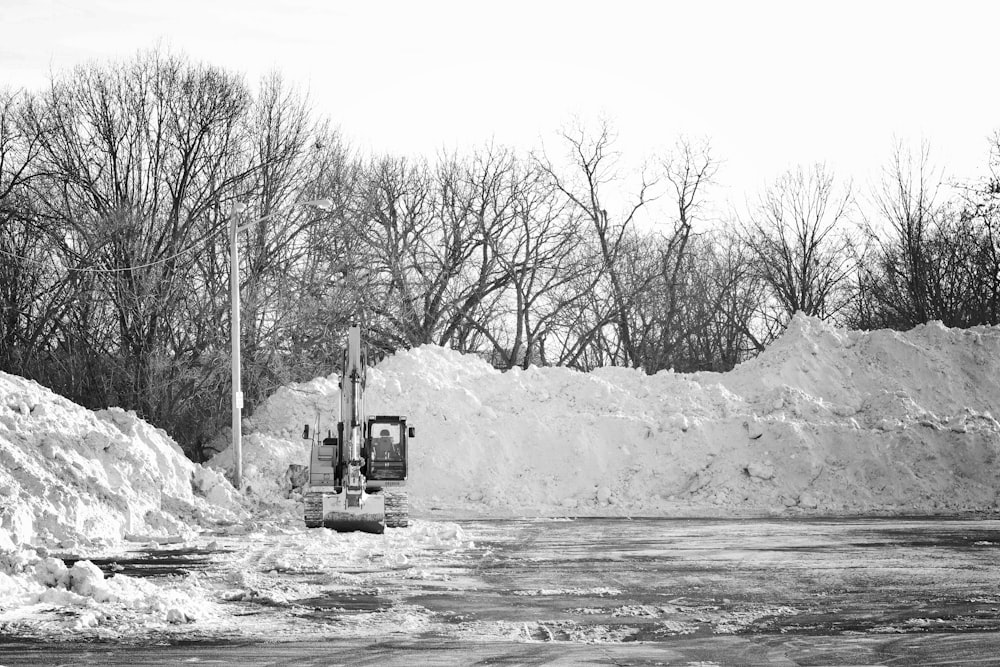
(70, 476)
(826, 419)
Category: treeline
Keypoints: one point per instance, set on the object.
(116, 187)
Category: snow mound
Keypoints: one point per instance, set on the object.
(70, 476)
(930, 369)
(826, 419)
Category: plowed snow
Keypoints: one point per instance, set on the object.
(826, 419)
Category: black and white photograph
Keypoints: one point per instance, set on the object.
(443, 332)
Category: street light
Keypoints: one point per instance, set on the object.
(234, 333)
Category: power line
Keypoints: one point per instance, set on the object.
(163, 260)
(319, 203)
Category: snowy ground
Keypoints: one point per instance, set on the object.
(229, 583)
(825, 422)
(605, 591)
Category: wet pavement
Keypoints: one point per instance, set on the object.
(151, 562)
(896, 591)
(656, 580)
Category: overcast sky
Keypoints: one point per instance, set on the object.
(772, 84)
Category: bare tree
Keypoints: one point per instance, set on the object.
(799, 238)
(667, 314)
(907, 202)
(593, 162)
(135, 164)
(743, 324)
(32, 293)
(928, 257)
(485, 195)
(540, 259)
(322, 279)
(423, 231)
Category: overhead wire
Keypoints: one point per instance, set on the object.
(162, 260)
(91, 269)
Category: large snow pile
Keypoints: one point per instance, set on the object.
(70, 476)
(75, 482)
(826, 419)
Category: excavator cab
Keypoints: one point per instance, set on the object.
(387, 447)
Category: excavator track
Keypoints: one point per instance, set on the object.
(397, 509)
(314, 510)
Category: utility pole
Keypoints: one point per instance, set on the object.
(234, 299)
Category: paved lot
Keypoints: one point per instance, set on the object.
(643, 592)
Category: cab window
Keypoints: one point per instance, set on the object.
(386, 442)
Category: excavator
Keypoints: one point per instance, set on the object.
(357, 476)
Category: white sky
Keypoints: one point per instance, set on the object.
(772, 84)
